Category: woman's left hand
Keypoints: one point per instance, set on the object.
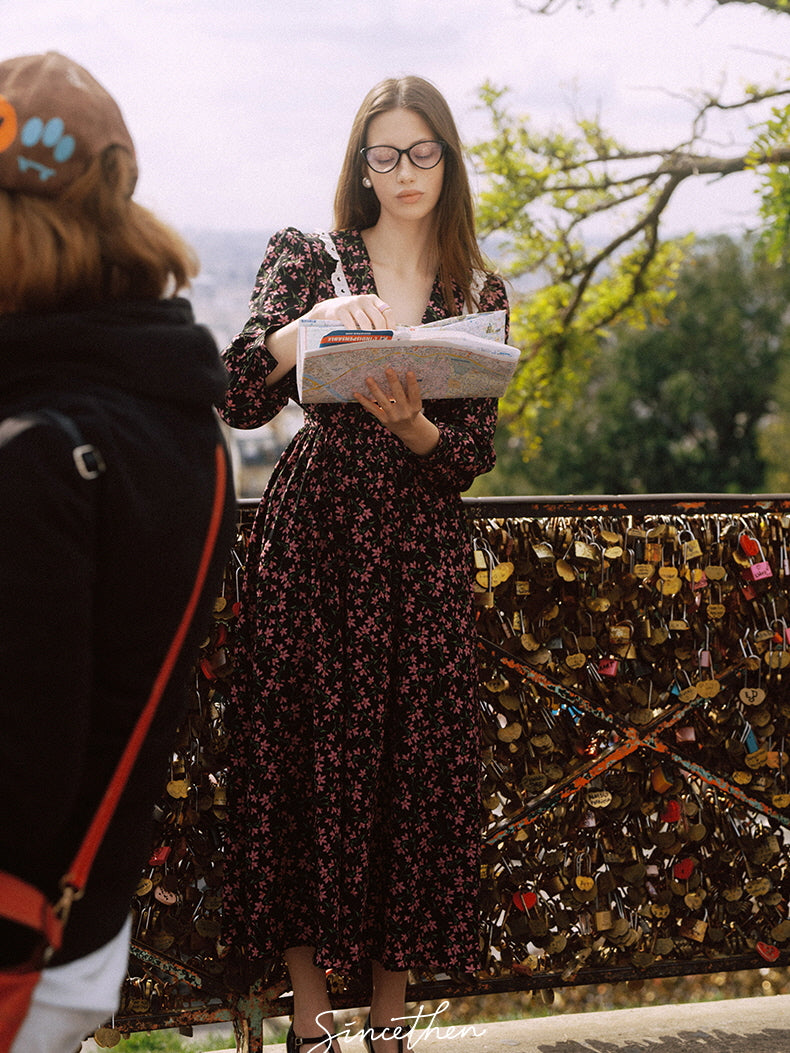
(400, 410)
(396, 407)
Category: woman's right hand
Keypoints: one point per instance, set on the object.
(355, 312)
(352, 312)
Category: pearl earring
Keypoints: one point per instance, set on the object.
(367, 183)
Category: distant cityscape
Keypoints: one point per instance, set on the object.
(220, 297)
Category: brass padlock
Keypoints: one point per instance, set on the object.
(694, 929)
(691, 549)
(602, 920)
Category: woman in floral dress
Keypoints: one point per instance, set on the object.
(355, 833)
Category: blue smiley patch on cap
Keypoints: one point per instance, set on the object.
(51, 134)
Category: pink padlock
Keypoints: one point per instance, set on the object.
(608, 666)
(756, 571)
(166, 896)
(685, 734)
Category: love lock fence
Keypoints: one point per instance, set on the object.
(635, 705)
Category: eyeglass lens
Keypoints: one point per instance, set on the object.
(426, 154)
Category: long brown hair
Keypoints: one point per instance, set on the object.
(357, 208)
(90, 245)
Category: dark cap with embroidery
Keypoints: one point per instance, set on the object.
(55, 118)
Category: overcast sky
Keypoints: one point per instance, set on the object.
(240, 109)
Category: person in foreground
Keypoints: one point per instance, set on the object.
(355, 831)
(115, 519)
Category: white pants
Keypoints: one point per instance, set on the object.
(71, 1001)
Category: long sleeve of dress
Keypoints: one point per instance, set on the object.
(466, 426)
(284, 290)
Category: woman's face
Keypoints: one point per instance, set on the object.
(407, 192)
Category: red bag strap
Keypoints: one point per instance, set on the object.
(74, 880)
(25, 904)
(22, 902)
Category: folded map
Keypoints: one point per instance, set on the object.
(461, 357)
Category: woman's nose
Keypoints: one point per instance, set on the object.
(404, 168)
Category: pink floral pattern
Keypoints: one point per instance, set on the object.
(355, 726)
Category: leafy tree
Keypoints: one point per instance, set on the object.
(548, 195)
(677, 407)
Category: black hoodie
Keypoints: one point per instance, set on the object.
(94, 577)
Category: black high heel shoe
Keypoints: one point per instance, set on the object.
(371, 1032)
(322, 1044)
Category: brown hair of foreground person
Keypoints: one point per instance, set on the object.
(90, 245)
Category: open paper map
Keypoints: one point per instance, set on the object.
(462, 357)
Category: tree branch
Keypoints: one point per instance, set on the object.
(551, 7)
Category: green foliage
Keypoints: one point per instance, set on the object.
(775, 207)
(690, 405)
(155, 1042)
(581, 244)
(170, 1041)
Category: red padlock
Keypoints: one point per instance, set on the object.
(750, 546)
(683, 869)
(207, 669)
(524, 901)
(671, 813)
(767, 951)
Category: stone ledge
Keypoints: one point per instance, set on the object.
(744, 1025)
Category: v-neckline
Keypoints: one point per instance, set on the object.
(434, 300)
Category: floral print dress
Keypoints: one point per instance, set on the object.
(354, 726)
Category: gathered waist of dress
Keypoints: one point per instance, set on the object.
(350, 424)
(358, 454)
(333, 413)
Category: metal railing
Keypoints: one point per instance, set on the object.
(635, 710)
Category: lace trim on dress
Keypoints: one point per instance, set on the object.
(339, 283)
(479, 279)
